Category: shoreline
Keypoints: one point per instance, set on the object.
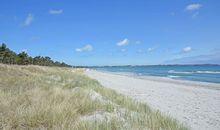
(207, 85)
(195, 104)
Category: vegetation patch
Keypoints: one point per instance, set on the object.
(7, 56)
(34, 97)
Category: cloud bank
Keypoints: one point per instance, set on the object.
(200, 59)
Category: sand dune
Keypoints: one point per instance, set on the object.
(192, 103)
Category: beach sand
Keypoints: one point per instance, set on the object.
(194, 104)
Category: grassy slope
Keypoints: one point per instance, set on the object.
(33, 97)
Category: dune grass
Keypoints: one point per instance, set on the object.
(34, 97)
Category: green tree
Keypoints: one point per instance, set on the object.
(7, 56)
(2, 52)
(22, 58)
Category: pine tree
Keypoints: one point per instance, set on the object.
(23, 58)
(7, 56)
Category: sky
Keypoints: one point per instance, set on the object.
(114, 32)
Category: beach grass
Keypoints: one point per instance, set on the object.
(36, 97)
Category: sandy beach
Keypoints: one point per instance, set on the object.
(194, 104)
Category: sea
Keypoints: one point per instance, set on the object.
(203, 73)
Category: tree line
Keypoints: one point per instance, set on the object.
(8, 56)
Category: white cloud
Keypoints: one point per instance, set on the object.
(187, 49)
(60, 11)
(193, 7)
(195, 14)
(28, 20)
(123, 42)
(24, 50)
(150, 49)
(123, 50)
(87, 47)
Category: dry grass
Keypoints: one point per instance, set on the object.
(33, 97)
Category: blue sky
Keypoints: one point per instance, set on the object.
(114, 32)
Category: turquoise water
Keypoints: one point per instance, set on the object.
(204, 73)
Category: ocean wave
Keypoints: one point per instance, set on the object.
(179, 72)
(173, 76)
(193, 72)
(208, 72)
